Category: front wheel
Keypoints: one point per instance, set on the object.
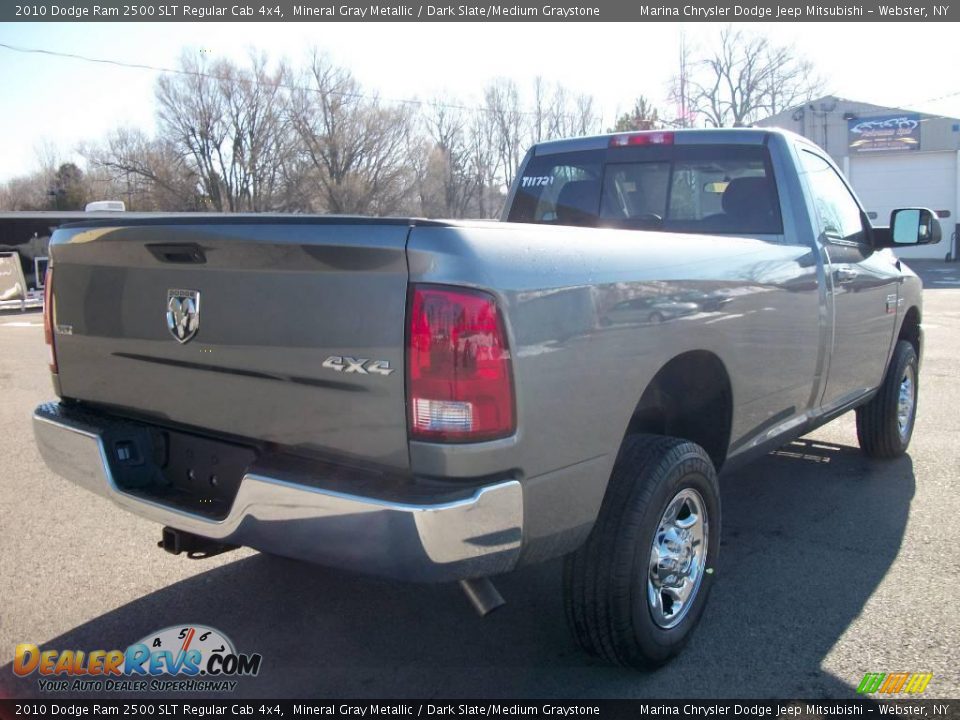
(636, 589)
(885, 424)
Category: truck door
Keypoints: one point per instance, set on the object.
(862, 286)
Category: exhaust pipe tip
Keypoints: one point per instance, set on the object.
(483, 595)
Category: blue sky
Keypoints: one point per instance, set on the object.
(63, 102)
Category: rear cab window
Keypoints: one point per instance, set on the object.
(719, 189)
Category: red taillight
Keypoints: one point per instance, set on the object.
(642, 138)
(48, 318)
(459, 385)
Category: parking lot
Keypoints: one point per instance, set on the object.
(832, 566)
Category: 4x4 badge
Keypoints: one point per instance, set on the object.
(363, 366)
(183, 314)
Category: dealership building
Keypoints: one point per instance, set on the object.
(892, 157)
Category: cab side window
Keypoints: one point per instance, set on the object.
(837, 211)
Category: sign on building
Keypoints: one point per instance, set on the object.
(884, 133)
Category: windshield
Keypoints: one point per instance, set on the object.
(705, 189)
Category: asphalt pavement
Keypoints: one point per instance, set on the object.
(832, 566)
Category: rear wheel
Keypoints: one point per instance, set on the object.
(636, 589)
(885, 424)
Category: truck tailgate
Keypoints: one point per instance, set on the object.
(276, 298)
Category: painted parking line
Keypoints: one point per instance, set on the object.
(20, 324)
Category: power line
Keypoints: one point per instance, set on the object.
(278, 85)
(192, 73)
(938, 99)
(358, 96)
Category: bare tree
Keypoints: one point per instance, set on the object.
(679, 88)
(484, 163)
(191, 116)
(355, 145)
(26, 192)
(453, 184)
(585, 118)
(261, 136)
(539, 128)
(746, 77)
(258, 136)
(503, 107)
(793, 81)
(34, 190)
(147, 174)
(48, 159)
(56, 184)
(560, 114)
(227, 122)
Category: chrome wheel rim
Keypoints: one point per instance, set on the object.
(905, 402)
(677, 558)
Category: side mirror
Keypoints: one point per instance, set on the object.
(914, 226)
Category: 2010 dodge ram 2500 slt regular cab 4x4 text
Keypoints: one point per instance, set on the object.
(439, 401)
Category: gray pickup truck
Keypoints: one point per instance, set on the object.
(440, 401)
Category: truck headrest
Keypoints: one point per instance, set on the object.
(579, 202)
(748, 197)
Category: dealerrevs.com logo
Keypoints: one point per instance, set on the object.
(178, 658)
(893, 683)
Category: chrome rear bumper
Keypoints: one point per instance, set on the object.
(474, 536)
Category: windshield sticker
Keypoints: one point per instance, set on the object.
(536, 181)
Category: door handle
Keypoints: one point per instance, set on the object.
(845, 275)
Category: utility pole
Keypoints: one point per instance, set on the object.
(684, 119)
(825, 109)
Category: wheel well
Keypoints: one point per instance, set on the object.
(910, 329)
(690, 398)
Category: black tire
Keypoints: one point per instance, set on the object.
(878, 424)
(605, 581)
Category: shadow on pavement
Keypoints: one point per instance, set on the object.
(809, 532)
